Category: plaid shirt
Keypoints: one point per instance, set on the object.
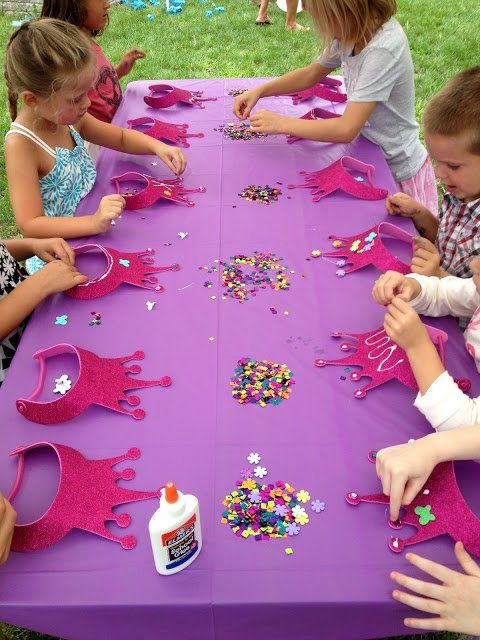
(458, 236)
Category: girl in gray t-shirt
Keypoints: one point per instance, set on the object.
(371, 48)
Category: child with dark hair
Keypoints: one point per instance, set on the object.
(91, 16)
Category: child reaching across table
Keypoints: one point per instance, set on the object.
(440, 399)
(20, 293)
(452, 133)
(362, 37)
(91, 16)
(403, 471)
(50, 66)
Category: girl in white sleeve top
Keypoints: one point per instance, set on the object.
(440, 400)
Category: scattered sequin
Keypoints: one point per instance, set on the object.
(236, 92)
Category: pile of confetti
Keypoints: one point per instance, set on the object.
(263, 510)
(236, 92)
(261, 383)
(239, 131)
(257, 193)
(265, 271)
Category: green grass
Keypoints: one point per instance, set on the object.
(443, 38)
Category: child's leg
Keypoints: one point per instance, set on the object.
(262, 17)
(422, 187)
(291, 23)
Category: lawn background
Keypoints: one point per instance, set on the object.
(442, 35)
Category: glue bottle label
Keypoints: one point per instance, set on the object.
(180, 544)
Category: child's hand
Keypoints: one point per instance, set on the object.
(403, 325)
(52, 249)
(267, 122)
(426, 259)
(58, 276)
(126, 63)
(110, 207)
(403, 470)
(244, 103)
(8, 518)
(455, 601)
(392, 284)
(402, 205)
(172, 157)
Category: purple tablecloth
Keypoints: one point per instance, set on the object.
(336, 583)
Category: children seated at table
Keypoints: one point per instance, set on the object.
(440, 399)
(91, 16)
(20, 293)
(369, 44)
(452, 133)
(454, 597)
(50, 66)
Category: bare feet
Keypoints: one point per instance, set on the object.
(296, 27)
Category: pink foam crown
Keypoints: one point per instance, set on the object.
(163, 130)
(170, 96)
(154, 190)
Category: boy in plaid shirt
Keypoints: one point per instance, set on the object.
(452, 133)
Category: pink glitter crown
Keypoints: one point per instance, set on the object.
(101, 381)
(164, 130)
(335, 177)
(173, 95)
(326, 89)
(438, 509)
(379, 358)
(154, 190)
(131, 268)
(367, 248)
(86, 495)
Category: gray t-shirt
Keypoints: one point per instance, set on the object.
(383, 73)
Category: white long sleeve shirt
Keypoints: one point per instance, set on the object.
(444, 405)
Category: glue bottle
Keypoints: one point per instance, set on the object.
(175, 531)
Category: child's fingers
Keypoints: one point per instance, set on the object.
(62, 254)
(397, 488)
(466, 561)
(438, 571)
(427, 589)
(418, 262)
(386, 481)
(69, 251)
(79, 279)
(427, 624)
(427, 605)
(425, 254)
(412, 488)
(424, 243)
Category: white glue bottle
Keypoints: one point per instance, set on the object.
(175, 531)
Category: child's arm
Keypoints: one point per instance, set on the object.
(404, 469)
(47, 250)
(339, 130)
(18, 304)
(399, 204)
(125, 65)
(26, 201)
(129, 141)
(429, 296)
(440, 399)
(292, 82)
(8, 518)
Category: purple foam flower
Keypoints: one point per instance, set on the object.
(280, 510)
(292, 529)
(317, 506)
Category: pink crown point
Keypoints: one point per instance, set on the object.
(367, 248)
(171, 96)
(86, 495)
(154, 190)
(326, 89)
(159, 130)
(335, 177)
(101, 381)
(379, 358)
(314, 114)
(437, 510)
(122, 267)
